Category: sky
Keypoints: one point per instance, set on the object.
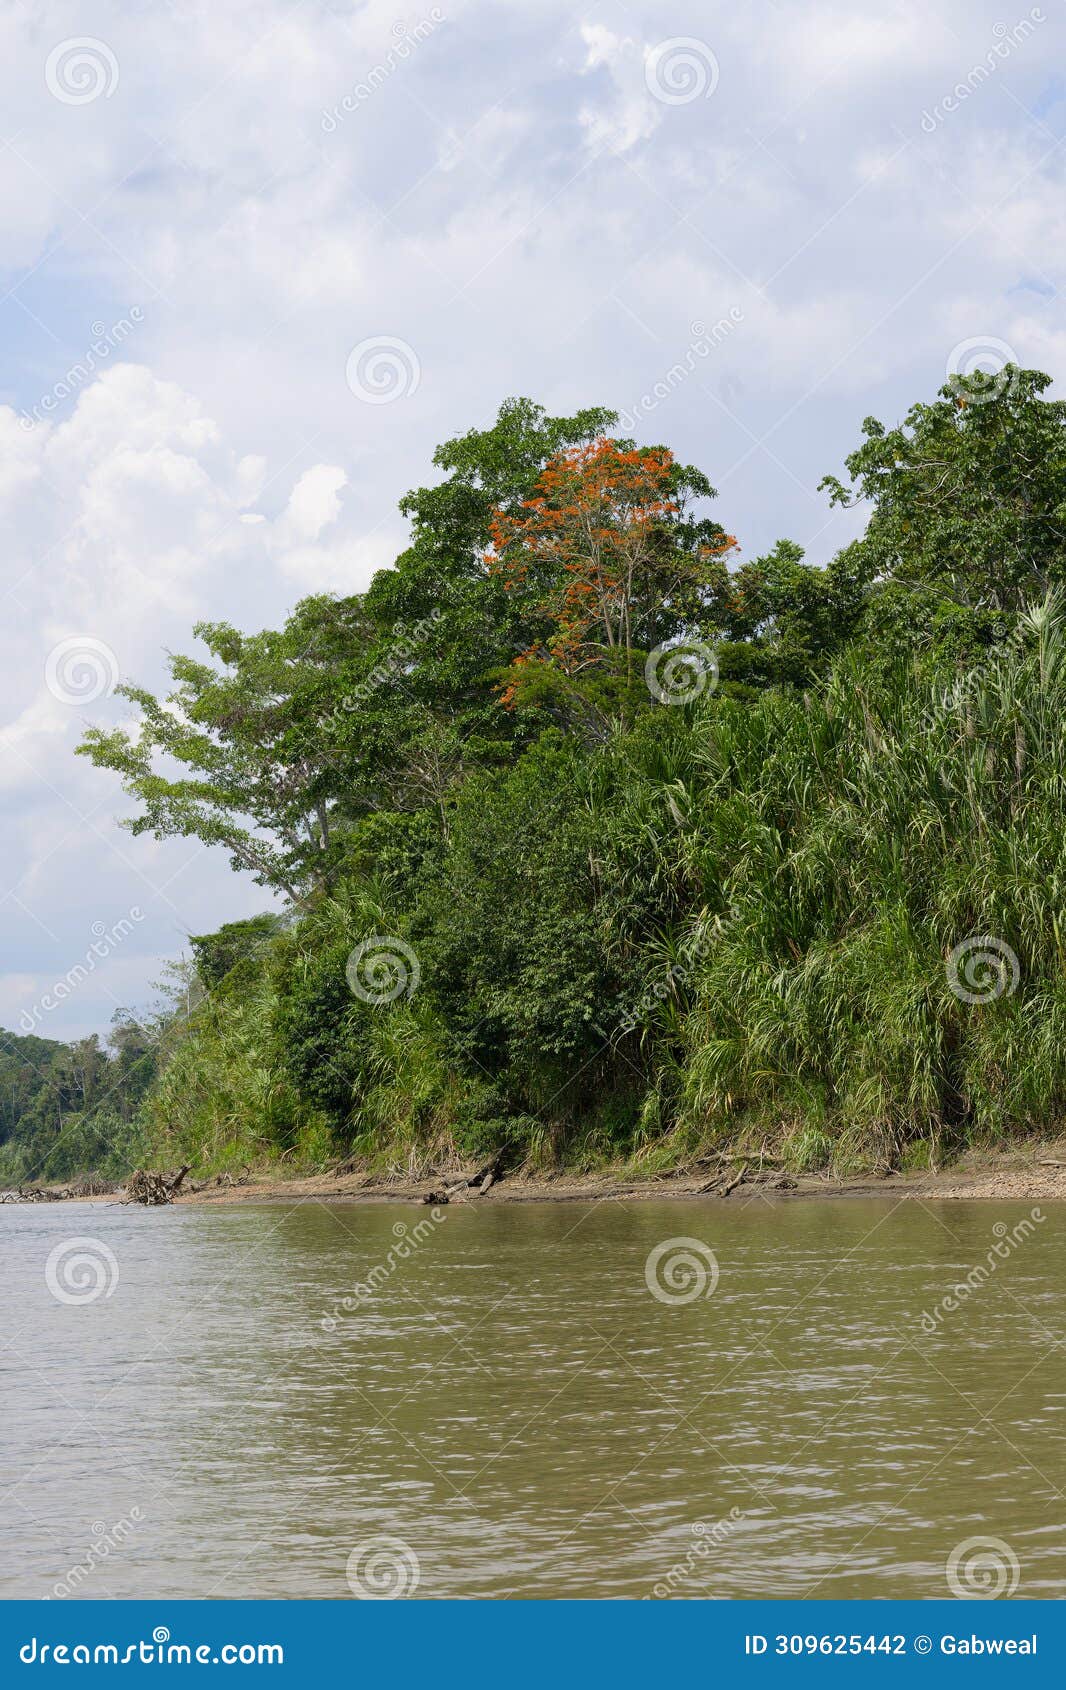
(259, 258)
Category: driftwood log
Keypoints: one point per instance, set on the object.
(228, 1180)
(91, 1186)
(722, 1184)
(484, 1177)
(153, 1189)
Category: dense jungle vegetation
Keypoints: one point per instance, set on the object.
(590, 837)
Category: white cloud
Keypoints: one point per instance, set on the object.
(813, 40)
(130, 526)
(314, 503)
(628, 114)
(513, 203)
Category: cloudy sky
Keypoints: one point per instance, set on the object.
(258, 258)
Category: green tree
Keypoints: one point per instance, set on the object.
(218, 954)
(379, 701)
(779, 622)
(264, 744)
(609, 547)
(968, 494)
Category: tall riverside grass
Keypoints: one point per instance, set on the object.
(859, 836)
(738, 922)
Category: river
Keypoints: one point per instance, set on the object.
(533, 1400)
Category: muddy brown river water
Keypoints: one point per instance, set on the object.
(269, 1400)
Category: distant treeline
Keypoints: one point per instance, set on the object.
(597, 840)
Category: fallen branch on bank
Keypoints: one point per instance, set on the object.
(152, 1189)
(721, 1185)
(229, 1181)
(91, 1186)
(483, 1178)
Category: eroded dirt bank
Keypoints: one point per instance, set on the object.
(1032, 1178)
(1035, 1174)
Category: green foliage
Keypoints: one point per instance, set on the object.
(510, 925)
(968, 494)
(880, 826)
(72, 1109)
(218, 954)
(222, 1099)
(263, 740)
(780, 622)
(636, 928)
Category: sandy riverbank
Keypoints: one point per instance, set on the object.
(1035, 1174)
(1004, 1177)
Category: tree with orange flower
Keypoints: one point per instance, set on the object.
(606, 546)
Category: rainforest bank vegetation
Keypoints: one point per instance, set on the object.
(586, 837)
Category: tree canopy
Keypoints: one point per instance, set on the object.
(534, 900)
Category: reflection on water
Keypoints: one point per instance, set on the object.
(513, 1404)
